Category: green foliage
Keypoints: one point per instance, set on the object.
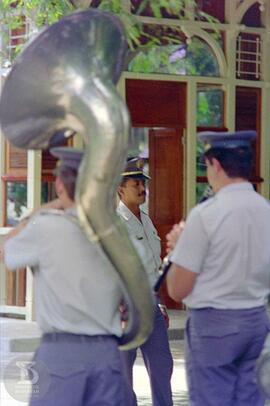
(210, 108)
(46, 12)
(41, 11)
(17, 196)
(171, 6)
(198, 60)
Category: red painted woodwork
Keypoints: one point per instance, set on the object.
(247, 117)
(11, 288)
(154, 103)
(252, 17)
(213, 8)
(21, 275)
(166, 186)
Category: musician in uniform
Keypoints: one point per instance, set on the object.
(77, 299)
(155, 351)
(221, 270)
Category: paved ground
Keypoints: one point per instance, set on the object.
(22, 337)
(141, 383)
(179, 387)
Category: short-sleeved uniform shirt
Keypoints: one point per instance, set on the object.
(145, 239)
(77, 290)
(226, 242)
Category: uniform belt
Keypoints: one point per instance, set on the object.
(69, 337)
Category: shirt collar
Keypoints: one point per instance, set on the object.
(239, 186)
(72, 211)
(124, 211)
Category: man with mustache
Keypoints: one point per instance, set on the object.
(155, 351)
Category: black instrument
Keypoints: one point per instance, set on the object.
(208, 192)
(166, 264)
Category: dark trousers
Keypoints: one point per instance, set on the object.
(159, 364)
(77, 371)
(222, 347)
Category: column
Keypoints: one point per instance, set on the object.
(33, 201)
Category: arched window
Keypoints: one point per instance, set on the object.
(191, 58)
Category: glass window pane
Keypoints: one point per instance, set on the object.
(191, 58)
(210, 106)
(210, 116)
(48, 192)
(16, 199)
(16, 202)
(200, 188)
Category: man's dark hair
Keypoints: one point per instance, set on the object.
(236, 162)
(68, 176)
(124, 180)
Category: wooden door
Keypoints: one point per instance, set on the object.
(166, 186)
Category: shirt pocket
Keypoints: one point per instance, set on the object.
(135, 231)
(217, 331)
(138, 237)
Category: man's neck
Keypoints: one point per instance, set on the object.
(134, 208)
(227, 181)
(68, 204)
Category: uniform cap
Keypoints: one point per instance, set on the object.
(134, 169)
(68, 157)
(226, 140)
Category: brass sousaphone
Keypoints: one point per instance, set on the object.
(65, 80)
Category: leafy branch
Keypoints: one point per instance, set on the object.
(45, 12)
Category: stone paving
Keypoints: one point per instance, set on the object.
(11, 329)
(179, 387)
(16, 332)
(141, 382)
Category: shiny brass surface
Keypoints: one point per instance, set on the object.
(65, 80)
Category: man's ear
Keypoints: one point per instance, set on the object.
(59, 186)
(216, 165)
(120, 191)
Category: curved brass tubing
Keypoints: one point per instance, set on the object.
(64, 79)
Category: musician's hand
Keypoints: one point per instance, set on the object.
(124, 314)
(173, 235)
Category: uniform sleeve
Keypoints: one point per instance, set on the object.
(22, 249)
(192, 246)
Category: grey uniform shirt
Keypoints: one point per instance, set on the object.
(145, 239)
(76, 288)
(226, 242)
